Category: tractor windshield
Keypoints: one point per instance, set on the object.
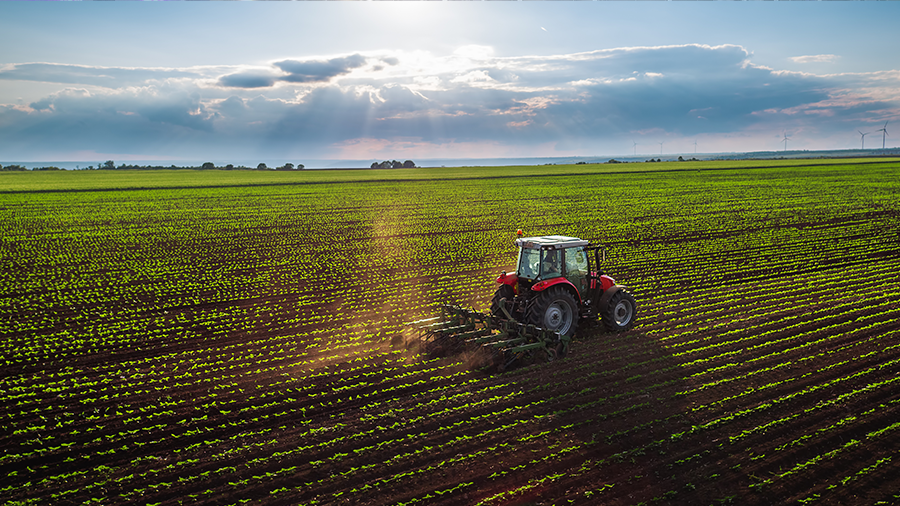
(543, 263)
(529, 263)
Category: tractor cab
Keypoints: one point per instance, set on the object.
(553, 256)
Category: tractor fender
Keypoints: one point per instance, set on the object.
(540, 286)
(606, 282)
(604, 299)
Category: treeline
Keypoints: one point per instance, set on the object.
(19, 168)
(111, 165)
(393, 164)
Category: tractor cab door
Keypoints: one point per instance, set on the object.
(577, 270)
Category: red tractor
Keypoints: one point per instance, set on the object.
(558, 282)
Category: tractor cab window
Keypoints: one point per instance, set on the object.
(551, 263)
(576, 262)
(529, 263)
(577, 269)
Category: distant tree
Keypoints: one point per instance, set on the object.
(409, 164)
(109, 165)
(261, 166)
(300, 166)
(46, 168)
(229, 167)
(680, 158)
(208, 166)
(13, 167)
(287, 166)
(396, 165)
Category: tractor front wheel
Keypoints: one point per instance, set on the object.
(555, 310)
(619, 314)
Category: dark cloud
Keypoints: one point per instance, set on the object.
(316, 71)
(42, 104)
(111, 77)
(233, 106)
(247, 80)
(296, 71)
(141, 122)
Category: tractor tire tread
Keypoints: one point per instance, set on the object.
(544, 300)
(608, 315)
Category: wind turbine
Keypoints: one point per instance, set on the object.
(695, 147)
(635, 148)
(786, 138)
(660, 146)
(864, 138)
(883, 133)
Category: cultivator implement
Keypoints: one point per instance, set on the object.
(499, 341)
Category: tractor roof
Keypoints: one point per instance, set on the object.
(550, 242)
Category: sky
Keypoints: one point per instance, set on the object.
(373, 80)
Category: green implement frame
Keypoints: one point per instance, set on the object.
(503, 340)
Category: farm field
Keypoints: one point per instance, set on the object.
(185, 337)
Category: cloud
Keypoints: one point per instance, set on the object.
(585, 102)
(111, 77)
(248, 80)
(817, 58)
(298, 71)
(315, 71)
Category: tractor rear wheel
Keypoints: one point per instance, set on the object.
(620, 314)
(556, 310)
(504, 292)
